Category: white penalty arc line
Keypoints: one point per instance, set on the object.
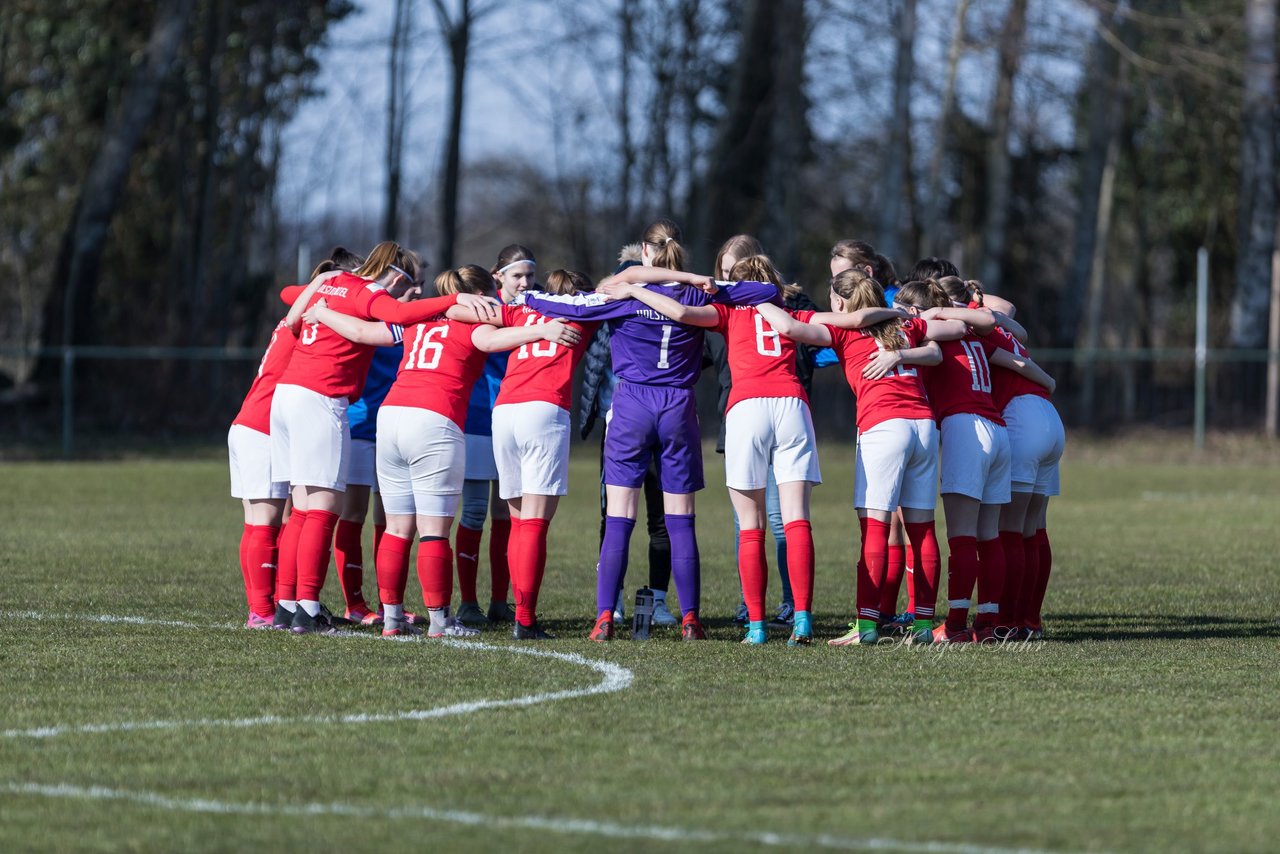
(587, 827)
(614, 678)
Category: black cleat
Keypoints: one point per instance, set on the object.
(283, 619)
(305, 624)
(534, 632)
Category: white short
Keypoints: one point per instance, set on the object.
(1036, 440)
(764, 430)
(480, 462)
(975, 458)
(310, 438)
(363, 468)
(531, 448)
(897, 465)
(421, 462)
(250, 454)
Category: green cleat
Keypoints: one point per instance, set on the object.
(854, 637)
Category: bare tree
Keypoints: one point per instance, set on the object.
(894, 185)
(995, 223)
(1257, 178)
(934, 196)
(397, 114)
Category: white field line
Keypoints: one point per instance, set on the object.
(614, 678)
(586, 827)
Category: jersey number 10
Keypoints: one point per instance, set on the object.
(978, 367)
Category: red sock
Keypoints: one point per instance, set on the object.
(499, 559)
(926, 569)
(244, 563)
(392, 565)
(435, 572)
(287, 563)
(1015, 575)
(378, 531)
(532, 556)
(991, 571)
(892, 580)
(800, 562)
(348, 554)
(753, 570)
(260, 563)
(1031, 578)
(875, 560)
(962, 571)
(1042, 577)
(468, 551)
(313, 553)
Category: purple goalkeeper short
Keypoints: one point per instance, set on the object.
(648, 420)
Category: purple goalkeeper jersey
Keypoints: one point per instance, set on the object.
(648, 347)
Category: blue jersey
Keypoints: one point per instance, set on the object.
(484, 393)
(363, 414)
(648, 347)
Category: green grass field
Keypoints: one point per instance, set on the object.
(1147, 722)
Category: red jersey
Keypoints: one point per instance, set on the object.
(1007, 384)
(323, 360)
(762, 362)
(962, 382)
(899, 394)
(255, 412)
(439, 368)
(542, 370)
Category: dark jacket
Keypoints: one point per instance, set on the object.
(596, 366)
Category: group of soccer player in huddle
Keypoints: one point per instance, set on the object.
(463, 399)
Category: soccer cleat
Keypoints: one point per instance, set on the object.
(256, 622)
(283, 619)
(986, 635)
(691, 629)
(469, 612)
(802, 630)
(756, 634)
(452, 628)
(853, 637)
(501, 612)
(662, 615)
(918, 637)
(534, 632)
(602, 632)
(945, 635)
(899, 625)
(394, 627)
(786, 613)
(305, 624)
(334, 620)
(362, 616)
(741, 617)
(1034, 633)
(619, 612)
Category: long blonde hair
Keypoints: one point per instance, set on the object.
(664, 236)
(383, 257)
(566, 282)
(759, 268)
(468, 279)
(858, 290)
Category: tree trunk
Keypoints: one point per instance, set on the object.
(627, 46)
(397, 112)
(930, 230)
(1257, 178)
(457, 37)
(996, 222)
(100, 192)
(893, 186)
(196, 261)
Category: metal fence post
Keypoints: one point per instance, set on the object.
(1202, 339)
(1273, 351)
(68, 400)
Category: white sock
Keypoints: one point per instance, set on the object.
(393, 612)
(288, 604)
(311, 606)
(439, 617)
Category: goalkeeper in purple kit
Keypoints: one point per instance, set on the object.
(654, 412)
